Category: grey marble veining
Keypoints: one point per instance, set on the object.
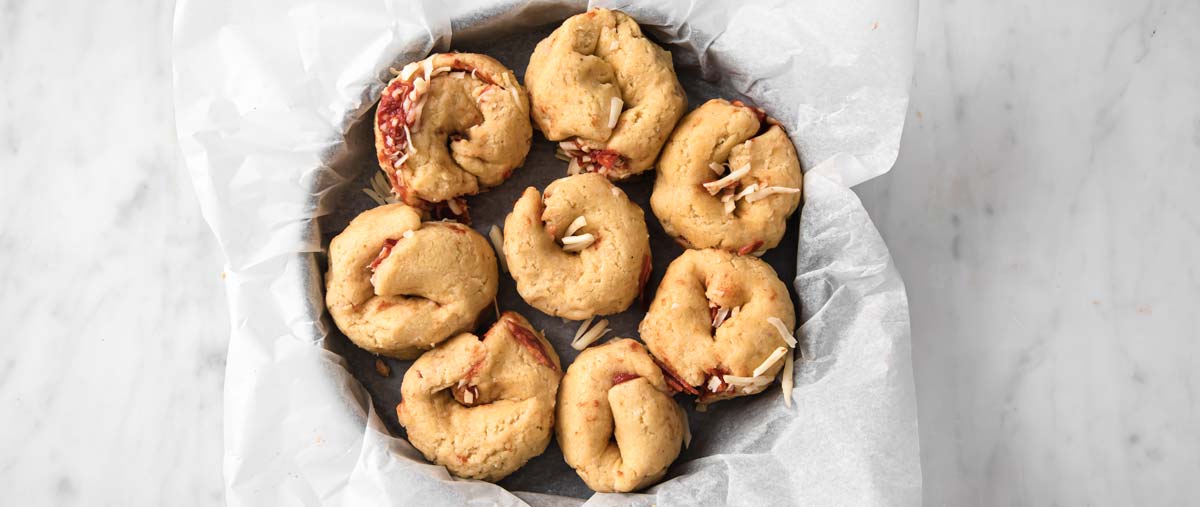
(1043, 212)
(114, 318)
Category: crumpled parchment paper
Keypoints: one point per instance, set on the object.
(271, 98)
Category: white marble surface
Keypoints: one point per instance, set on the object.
(1045, 213)
(115, 328)
(1042, 213)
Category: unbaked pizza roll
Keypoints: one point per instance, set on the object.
(453, 124)
(618, 426)
(482, 407)
(397, 286)
(728, 178)
(720, 324)
(606, 91)
(580, 250)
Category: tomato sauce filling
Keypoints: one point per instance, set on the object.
(392, 115)
(621, 378)
(384, 252)
(674, 381)
(525, 337)
(722, 387)
(751, 248)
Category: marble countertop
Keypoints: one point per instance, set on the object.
(1042, 212)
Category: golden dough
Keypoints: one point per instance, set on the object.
(603, 278)
(618, 426)
(716, 133)
(678, 328)
(468, 119)
(592, 62)
(483, 407)
(397, 286)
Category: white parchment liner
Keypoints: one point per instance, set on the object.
(267, 97)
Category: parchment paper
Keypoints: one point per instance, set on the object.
(270, 100)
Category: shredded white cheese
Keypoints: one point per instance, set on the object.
(561, 155)
(770, 361)
(573, 167)
(614, 111)
(769, 191)
(730, 203)
(407, 72)
(408, 141)
(720, 317)
(407, 234)
(497, 237)
(755, 381)
(783, 331)
(747, 191)
(380, 191)
(455, 206)
(714, 383)
(729, 180)
(786, 382)
(416, 113)
(717, 168)
(577, 243)
(511, 83)
(458, 75)
(427, 65)
(468, 396)
(516, 99)
(576, 224)
(687, 430)
(374, 197)
(583, 328)
(590, 337)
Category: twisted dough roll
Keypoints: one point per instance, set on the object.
(397, 286)
(483, 408)
(598, 83)
(750, 213)
(709, 319)
(602, 278)
(451, 125)
(617, 424)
